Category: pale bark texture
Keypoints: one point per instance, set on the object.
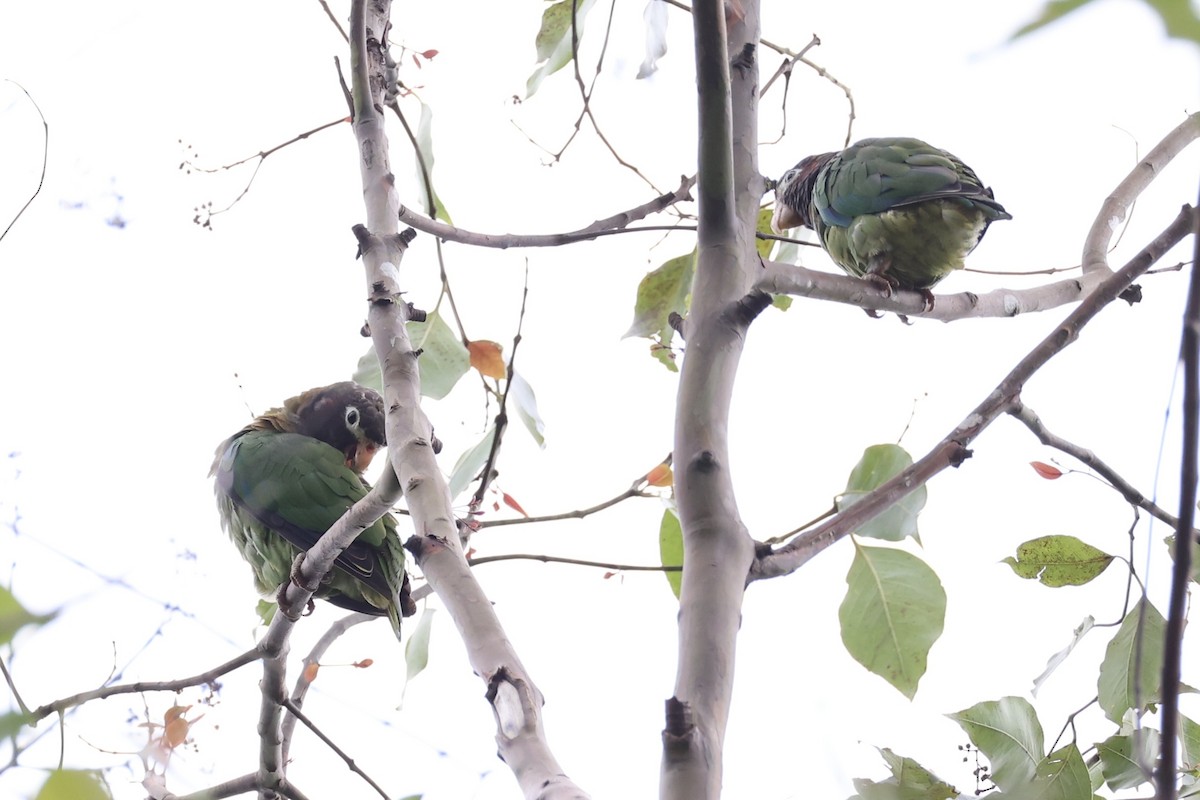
(515, 700)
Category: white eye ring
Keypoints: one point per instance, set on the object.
(352, 417)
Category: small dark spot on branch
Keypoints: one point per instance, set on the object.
(417, 353)
(1132, 293)
(365, 331)
(705, 461)
(415, 314)
(960, 455)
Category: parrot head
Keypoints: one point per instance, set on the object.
(793, 193)
(346, 416)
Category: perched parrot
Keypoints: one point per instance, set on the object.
(285, 478)
(899, 212)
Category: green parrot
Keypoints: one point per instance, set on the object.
(285, 478)
(898, 212)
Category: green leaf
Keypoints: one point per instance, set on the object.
(443, 359)
(1189, 741)
(1178, 17)
(1008, 733)
(11, 723)
(662, 291)
(425, 152)
(1058, 658)
(1130, 675)
(470, 463)
(14, 616)
(416, 649)
(73, 784)
(763, 225)
(1059, 561)
(265, 611)
(893, 613)
(909, 781)
(1062, 775)
(367, 372)
(554, 40)
(521, 392)
(782, 301)
(879, 464)
(670, 548)
(1129, 760)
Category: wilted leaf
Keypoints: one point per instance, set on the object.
(488, 358)
(554, 40)
(1058, 658)
(655, 20)
(1059, 561)
(892, 614)
(1047, 471)
(879, 464)
(1131, 673)
(1008, 733)
(670, 548)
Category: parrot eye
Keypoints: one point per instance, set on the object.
(351, 417)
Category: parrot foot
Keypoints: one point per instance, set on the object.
(928, 295)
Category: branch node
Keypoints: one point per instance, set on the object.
(415, 314)
(705, 461)
(960, 455)
(1132, 293)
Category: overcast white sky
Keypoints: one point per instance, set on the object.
(119, 348)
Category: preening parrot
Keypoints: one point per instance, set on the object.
(897, 211)
(285, 478)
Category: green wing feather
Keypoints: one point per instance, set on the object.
(279, 492)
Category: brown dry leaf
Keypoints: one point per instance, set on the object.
(310, 672)
(487, 357)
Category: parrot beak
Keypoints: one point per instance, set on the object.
(784, 218)
(359, 456)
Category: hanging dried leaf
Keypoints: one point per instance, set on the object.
(487, 357)
(513, 504)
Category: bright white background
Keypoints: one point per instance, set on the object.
(127, 353)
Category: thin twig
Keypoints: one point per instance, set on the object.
(1189, 353)
(45, 157)
(295, 711)
(545, 559)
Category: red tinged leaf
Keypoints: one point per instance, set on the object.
(366, 662)
(513, 504)
(608, 575)
(488, 359)
(1045, 470)
(310, 672)
(661, 475)
(430, 53)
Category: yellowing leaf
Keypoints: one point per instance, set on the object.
(487, 357)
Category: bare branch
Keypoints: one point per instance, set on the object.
(295, 711)
(45, 157)
(952, 450)
(1112, 212)
(206, 677)
(1027, 417)
(504, 241)
(580, 562)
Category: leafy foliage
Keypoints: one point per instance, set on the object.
(556, 39)
(14, 616)
(1007, 731)
(1131, 673)
(1179, 17)
(670, 548)
(909, 781)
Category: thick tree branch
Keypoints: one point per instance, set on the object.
(952, 450)
(516, 702)
(717, 547)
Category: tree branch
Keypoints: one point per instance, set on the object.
(952, 450)
(504, 241)
(516, 702)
